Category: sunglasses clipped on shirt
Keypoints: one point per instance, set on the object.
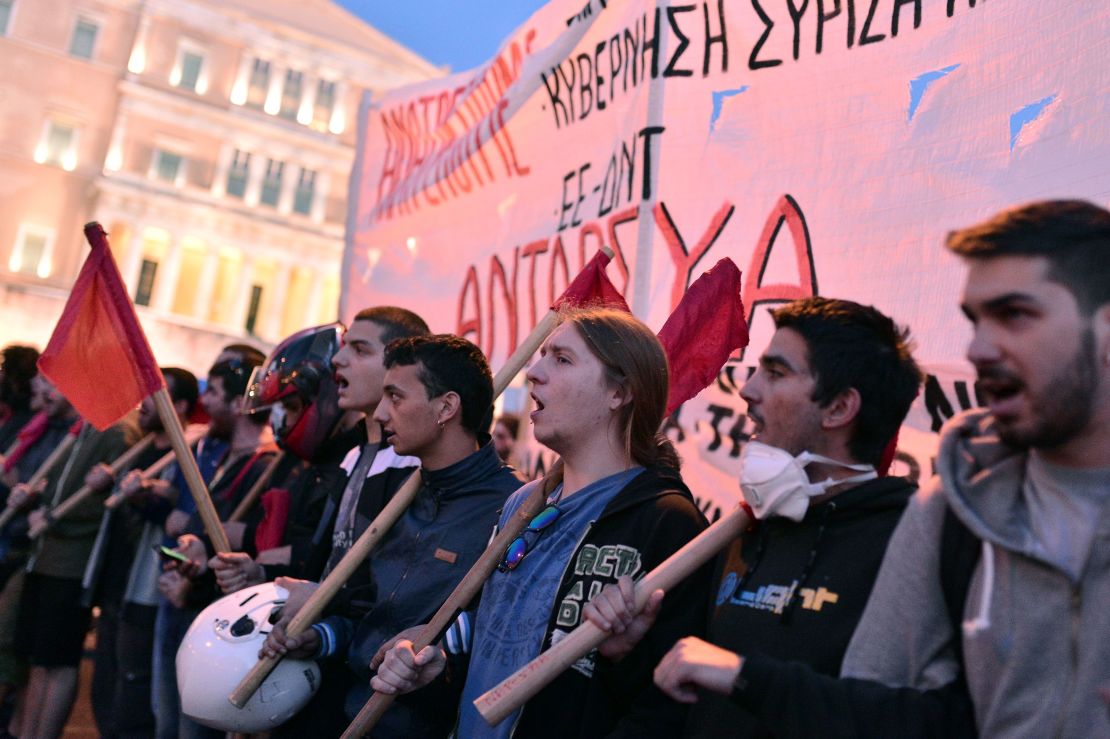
(523, 544)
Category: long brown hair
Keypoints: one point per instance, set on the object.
(635, 361)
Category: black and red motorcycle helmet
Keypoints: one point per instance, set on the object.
(300, 365)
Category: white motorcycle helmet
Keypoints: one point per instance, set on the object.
(222, 646)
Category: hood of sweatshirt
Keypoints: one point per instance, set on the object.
(983, 480)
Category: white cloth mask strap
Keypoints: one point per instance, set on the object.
(806, 457)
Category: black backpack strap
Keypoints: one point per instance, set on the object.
(959, 554)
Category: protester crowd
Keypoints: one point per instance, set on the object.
(854, 604)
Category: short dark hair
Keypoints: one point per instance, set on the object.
(182, 385)
(855, 346)
(236, 375)
(449, 363)
(18, 368)
(1073, 235)
(249, 354)
(396, 323)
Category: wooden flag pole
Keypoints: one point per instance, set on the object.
(40, 474)
(189, 469)
(192, 434)
(67, 505)
(248, 501)
(500, 701)
(51, 462)
(463, 594)
(331, 585)
(381, 524)
(115, 499)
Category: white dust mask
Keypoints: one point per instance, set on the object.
(774, 482)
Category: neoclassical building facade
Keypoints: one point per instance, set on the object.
(213, 139)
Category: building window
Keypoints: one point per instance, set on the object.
(144, 291)
(5, 16)
(167, 166)
(238, 173)
(84, 39)
(253, 307)
(32, 252)
(291, 94)
(271, 183)
(325, 101)
(58, 146)
(260, 83)
(306, 191)
(187, 73)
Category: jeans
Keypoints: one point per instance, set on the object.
(169, 630)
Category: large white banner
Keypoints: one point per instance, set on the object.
(826, 146)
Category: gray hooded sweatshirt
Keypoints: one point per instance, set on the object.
(1036, 634)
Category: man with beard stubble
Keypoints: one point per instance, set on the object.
(998, 574)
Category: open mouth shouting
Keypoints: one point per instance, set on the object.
(757, 422)
(1003, 392)
(538, 409)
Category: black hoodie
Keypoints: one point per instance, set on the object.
(795, 591)
(653, 516)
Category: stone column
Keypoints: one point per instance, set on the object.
(275, 305)
(165, 280)
(132, 263)
(273, 95)
(255, 172)
(289, 176)
(223, 164)
(136, 62)
(242, 79)
(315, 297)
(338, 123)
(113, 161)
(202, 299)
(242, 302)
(308, 99)
(320, 197)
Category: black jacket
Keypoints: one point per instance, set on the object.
(315, 488)
(653, 516)
(799, 702)
(795, 591)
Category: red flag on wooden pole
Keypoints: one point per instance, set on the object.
(98, 355)
(705, 328)
(592, 287)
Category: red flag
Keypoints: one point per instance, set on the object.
(592, 288)
(270, 532)
(887, 458)
(98, 356)
(29, 435)
(706, 326)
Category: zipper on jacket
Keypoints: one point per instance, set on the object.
(408, 568)
(573, 556)
(1073, 648)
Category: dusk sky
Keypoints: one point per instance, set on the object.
(459, 33)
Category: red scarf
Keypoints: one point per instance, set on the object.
(27, 437)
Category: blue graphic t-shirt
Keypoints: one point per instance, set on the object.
(516, 605)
